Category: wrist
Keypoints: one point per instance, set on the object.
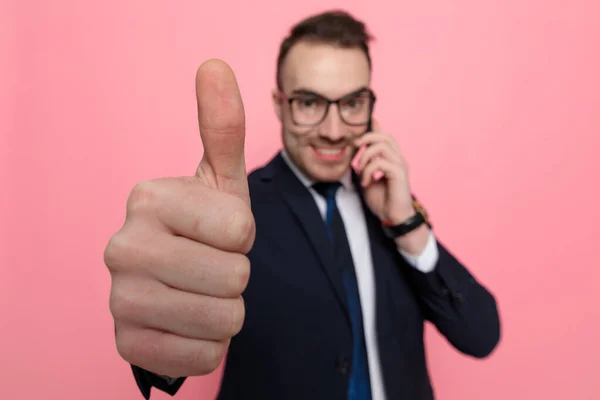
(401, 212)
(409, 228)
(399, 218)
(414, 242)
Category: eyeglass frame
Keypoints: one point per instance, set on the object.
(329, 102)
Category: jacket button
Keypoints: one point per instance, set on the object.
(342, 366)
(459, 297)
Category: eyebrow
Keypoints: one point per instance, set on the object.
(314, 92)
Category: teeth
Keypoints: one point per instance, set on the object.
(329, 152)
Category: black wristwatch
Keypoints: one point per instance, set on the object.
(420, 218)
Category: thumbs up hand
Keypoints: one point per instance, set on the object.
(178, 265)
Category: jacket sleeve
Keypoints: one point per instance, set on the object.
(460, 307)
(146, 380)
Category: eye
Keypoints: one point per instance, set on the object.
(308, 102)
(355, 103)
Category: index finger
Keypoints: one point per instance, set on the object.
(375, 127)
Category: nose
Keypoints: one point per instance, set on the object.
(333, 127)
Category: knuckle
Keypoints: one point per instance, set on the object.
(124, 304)
(112, 252)
(199, 227)
(238, 311)
(119, 251)
(212, 358)
(126, 346)
(138, 348)
(142, 197)
(240, 228)
(208, 357)
(240, 275)
(230, 317)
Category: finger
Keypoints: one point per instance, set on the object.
(150, 304)
(378, 166)
(166, 354)
(182, 207)
(374, 137)
(380, 149)
(375, 127)
(208, 216)
(192, 267)
(202, 269)
(222, 123)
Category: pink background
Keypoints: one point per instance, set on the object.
(495, 104)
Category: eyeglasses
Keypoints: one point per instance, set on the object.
(310, 109)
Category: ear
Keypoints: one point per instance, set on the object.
(277, 103)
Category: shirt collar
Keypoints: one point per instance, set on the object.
(346, 179)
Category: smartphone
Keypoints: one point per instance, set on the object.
(357, 151)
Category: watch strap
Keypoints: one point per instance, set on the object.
(412, 223)
(421, 217)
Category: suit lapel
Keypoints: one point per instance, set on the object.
(302, 205)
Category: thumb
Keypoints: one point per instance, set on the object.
(222, 128)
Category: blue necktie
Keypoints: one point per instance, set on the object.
(359, 385)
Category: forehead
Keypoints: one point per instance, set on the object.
(325, 69)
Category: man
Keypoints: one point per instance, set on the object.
(345, 265)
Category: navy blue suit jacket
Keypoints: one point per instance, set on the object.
(296, 340)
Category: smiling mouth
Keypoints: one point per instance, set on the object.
(329, 154)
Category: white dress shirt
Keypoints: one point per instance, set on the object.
(349, 205)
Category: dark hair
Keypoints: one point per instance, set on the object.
(337, 28)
